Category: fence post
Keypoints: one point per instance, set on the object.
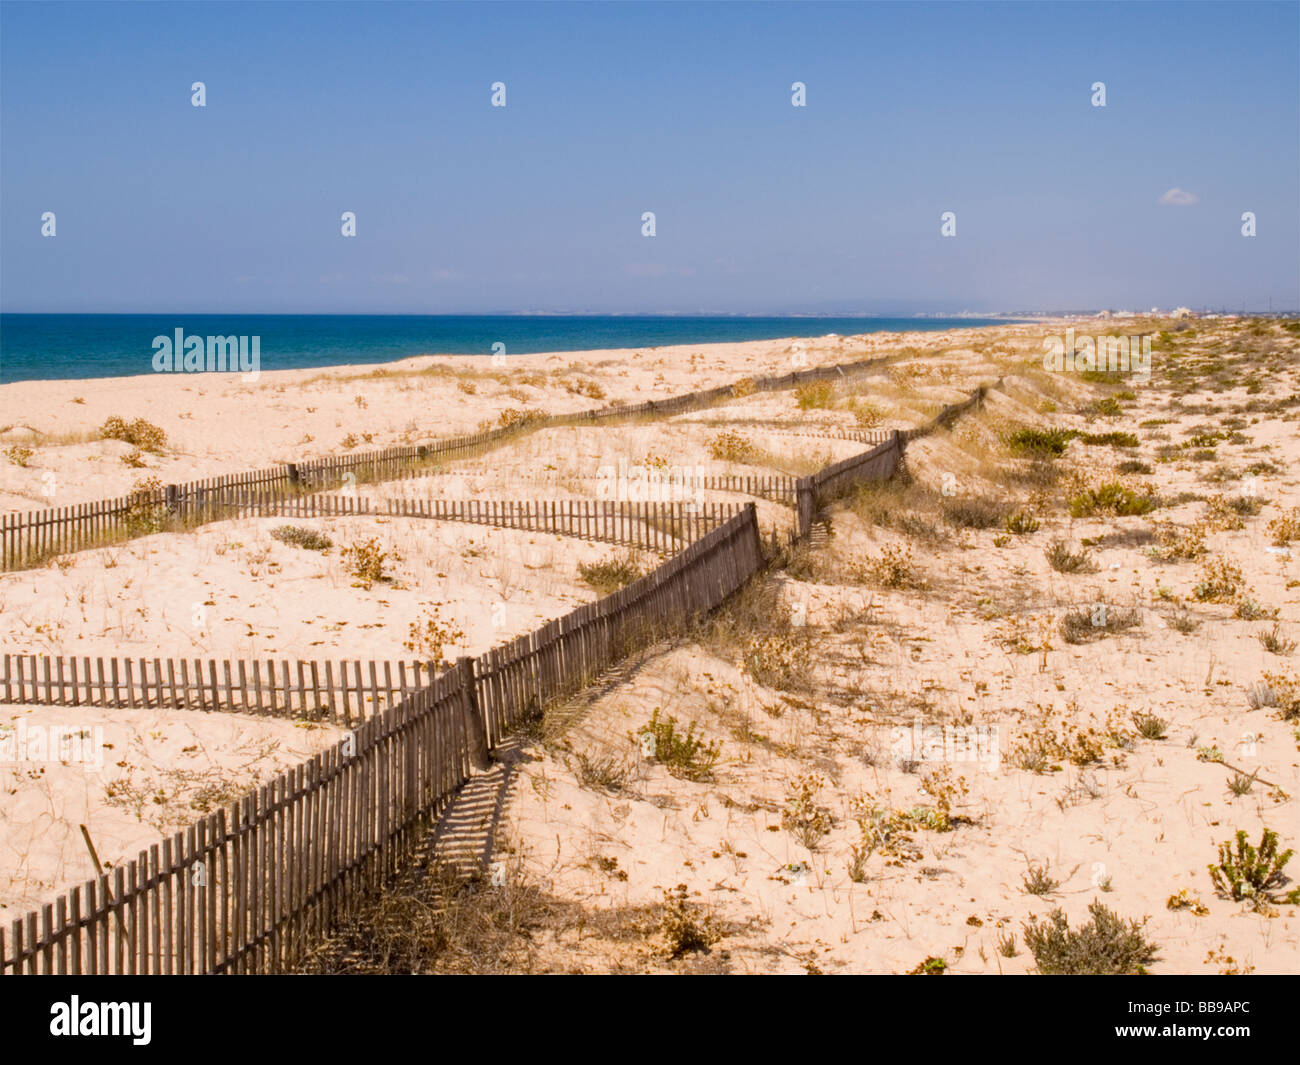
(805, 504)
(292, 467)
(172, 496)
(475, 727)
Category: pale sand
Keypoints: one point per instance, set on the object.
(881, 657)
(222, 425)
(160, 770)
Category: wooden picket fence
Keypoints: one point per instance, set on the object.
(877, 464)
(31, 538)
(249, 888)
(341, 692)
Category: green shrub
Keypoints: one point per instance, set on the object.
(1109, 497)
(684, 754)
(1031, 441)
(1021, 522)
(609, 576)
(1105, 946)
(1252, 875)
(1038, 881)
(307, 539)
(1063, 560)
(1113, 439)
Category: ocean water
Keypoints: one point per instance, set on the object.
(42, 347)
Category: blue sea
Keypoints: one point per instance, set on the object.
(42, 347)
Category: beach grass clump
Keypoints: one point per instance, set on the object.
(19, 454)
(1085, 624)
(1274, 642)
(1021, 522)
(777, 660)
(515, 418)
(1105, 946)
(1283, 692)
(610, 575)
(307, 539)
(1064, 560)
(1252, 874)
(1134, 466)
(684, 754)
(973, 512)
(1149, 726)
(140, 433)
(744, 387)
(814, 395)
(1041, 442)
(1038, 881)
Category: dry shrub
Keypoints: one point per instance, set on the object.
(364, 560)
(141, 433)
(815, 394)
(1221, 581)
(1105, 946)
(731, 446)
(893, 568)
(1286, 528)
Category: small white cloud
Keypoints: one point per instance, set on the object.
(1177, 197)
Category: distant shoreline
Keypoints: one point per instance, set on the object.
(74, 347)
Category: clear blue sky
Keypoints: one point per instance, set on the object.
(677, 108)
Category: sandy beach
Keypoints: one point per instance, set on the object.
(825, 836)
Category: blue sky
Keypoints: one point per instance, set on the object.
(683, 109)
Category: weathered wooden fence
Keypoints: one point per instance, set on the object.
(342, 692)
(249, 888)
(880, 463)
(30, 538)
